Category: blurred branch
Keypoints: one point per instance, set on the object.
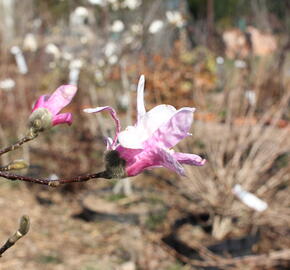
(16, 145)
(55, 183)
(22, 230)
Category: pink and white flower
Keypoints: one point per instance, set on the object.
(149, 142)
(47, 107)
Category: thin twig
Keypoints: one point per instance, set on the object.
(17, 144)
(22, 230)
(55, 183)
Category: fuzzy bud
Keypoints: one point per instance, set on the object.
(40, 120)
(17, 164)
(115, 165)
(24, 225)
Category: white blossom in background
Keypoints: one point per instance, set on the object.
(130, 265)
(110, 49)
(128, 40)
(113, 59)
(53, 50)
(53, 177)
(30, 43)
(117, 26)
(251, 96)
(67, 56)
(36, 23)
(7, 26)
(101, 3)
(74, 71)
(7, 84)
(250, 199)
(131, 4)
(136, 28)
(79, 16)
(124, 100)
(175, 18)
(20, 60)
(99, 77)
(220, 60)
(240, 64)
(155, 26)
(84, 39)
(125, 185)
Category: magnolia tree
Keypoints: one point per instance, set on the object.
(145, 145)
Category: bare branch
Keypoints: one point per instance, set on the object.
(55, 183)
(30, 136)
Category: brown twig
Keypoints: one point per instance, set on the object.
(22, 230)
(16, 145)
(55, 183)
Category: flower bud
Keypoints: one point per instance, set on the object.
(115, 165)
(17, 164)
(40, 120)
(24, 225)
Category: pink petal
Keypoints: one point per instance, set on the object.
(190, 159)
(174, 130)
(168, 161)
(135, 136)
(141, 111)
(113, 114)
(62, 118)
(61, 97)
(138, 160)
(128, 154)
(155, 118)
(40, 102)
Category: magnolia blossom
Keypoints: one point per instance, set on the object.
(79, 16)
(175, 18)
(156, 26)
(110, 49)
(117, 26)
(7, 84)
(131, 4)
(46, 110)
(30, 42)
(249, 199)
(98, 2)
(53, 50)
(20, 60)
(137, 28)
(149, 142)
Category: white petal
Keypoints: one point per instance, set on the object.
(132, 137)
(249, 199)
(155, 118)
(140, 98)
(94, 110)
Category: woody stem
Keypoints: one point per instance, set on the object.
(54, 183)
(30, 136)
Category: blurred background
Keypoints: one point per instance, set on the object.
(228, 58)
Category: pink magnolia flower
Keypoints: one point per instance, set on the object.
(47, 107)
(149, 142)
